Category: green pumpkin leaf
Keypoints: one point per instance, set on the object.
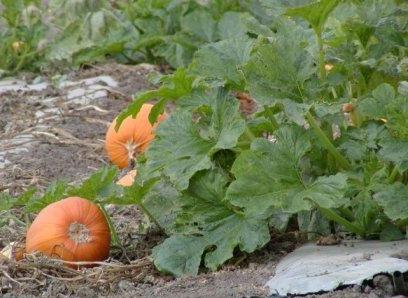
(162, 202)
(203, 203)
(173, 87)
(281, 68)
(220, 61)
(99, 184)
(207, 220)
(391, 233)
(232, 25)
(315, 13)
(201, 24)
(238, 24)
(55, 192)
(271, 176)
(179, 255)
(185, 143)
(395, 151)
(394, 201)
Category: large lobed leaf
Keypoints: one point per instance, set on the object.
(271, 176)
(209, 226)
(220, 60)
(394, 200)
(280, 68)
(185, 143)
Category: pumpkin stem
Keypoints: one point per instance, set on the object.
(131, 149)
(79, 233)
(114, 234)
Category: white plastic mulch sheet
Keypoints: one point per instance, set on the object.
(312, 269)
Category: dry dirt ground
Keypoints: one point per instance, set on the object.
(58, 133)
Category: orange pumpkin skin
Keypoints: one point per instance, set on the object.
(73, 229)
(128, 179)
(133, 137)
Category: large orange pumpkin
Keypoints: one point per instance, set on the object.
(73, 229)
(133, 137)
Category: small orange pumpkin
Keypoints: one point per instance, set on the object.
(73, 229)
(128, 179)
(133, 137)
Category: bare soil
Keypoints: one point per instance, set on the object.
(66, 142)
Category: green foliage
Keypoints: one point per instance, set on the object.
(316, 164)
(173, 87)
(271, 176)
(394, 201)
(315, 13)
(186, 142)
(21, 33)
(98, 187)
(281, 68)
(225, 56)
(208, 224)
(70, 33)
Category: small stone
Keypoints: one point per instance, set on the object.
(126, 286)
(373, 295)
(368, 289)
(384, 283)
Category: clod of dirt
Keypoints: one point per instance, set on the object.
(329, 240)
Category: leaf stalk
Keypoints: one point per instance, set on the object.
(114, 234)
(326, 143)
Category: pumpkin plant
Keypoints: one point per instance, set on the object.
(296, 155)
(131, 138)
(73, 229)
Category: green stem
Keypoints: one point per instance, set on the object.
(322, 70)
(342, 221)
(115, 238)
(149, 215)
(244, 144)
(347, 213)
(22, 59)
(273, 120)
(393, 175)
(335, 96)
(27, 220)
(326, 143)
(149, 42)
(402, 224)
(249, 135)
